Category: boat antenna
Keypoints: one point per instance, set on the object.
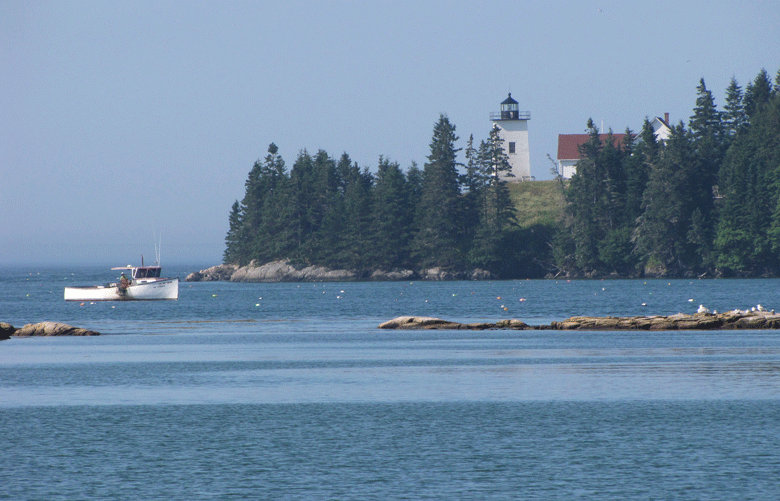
(158, 248)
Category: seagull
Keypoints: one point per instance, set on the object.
(760, 308)
(702, 309)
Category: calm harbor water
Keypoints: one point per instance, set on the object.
(289, 391)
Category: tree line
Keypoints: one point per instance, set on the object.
(705, 202)
(331, 212)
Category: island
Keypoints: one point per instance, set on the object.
(735, 319)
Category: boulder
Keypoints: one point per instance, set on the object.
(6, 331)
(439, 274)
(213, 274)
(283, 271)
(419, 323)
(53, 329)
(394, 275)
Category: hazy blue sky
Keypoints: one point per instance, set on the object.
(122, 120)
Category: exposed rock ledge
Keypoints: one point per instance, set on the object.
(699, 321)
(43, 329)
(283, 271)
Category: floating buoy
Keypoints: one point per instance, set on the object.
(522, 299)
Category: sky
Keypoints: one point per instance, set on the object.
(129, 124)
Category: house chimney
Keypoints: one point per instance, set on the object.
(666, 118)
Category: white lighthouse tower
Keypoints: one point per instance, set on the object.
(513, 126)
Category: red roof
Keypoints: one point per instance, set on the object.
(567, 144)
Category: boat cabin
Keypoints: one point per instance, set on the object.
(140, 272)
(146, 272)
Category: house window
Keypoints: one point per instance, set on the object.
(511, 147)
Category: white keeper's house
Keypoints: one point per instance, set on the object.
(568, 144)
(513, 126)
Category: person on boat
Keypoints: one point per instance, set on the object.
(123, 282)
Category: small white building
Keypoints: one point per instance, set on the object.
(661, 127)
(513, 127)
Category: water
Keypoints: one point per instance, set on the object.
(289, 391)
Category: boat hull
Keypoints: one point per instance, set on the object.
(142, 290)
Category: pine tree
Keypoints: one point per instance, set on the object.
(391, 216)
(708, 138)
(734, 118)
(661, 234)
(234, 241)
(437, 241)
(585, 200)
(355, 249)
(758, 94)
(490, 248)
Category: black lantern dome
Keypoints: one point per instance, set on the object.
(509, 109)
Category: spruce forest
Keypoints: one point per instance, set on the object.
(705, 202)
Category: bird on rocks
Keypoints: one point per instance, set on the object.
(702, 309)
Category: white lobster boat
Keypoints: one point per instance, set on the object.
(144, 283)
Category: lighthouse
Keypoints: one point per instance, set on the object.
(513, 126)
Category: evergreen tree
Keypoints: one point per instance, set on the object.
(625, 184)
(734, 118)
(234, 241)
(437, 242)
(588, 203)
(326, 220)
(355, 250)
(391, 216)
(750, 191)
(490, 248)
(707, 136)
(472, 183)
(758, 94)
(661, 234)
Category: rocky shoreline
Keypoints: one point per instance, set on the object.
(730, 320)
(43, 329)
(284, 271)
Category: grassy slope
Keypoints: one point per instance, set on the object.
(537, 202)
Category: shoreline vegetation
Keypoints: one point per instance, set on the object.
(703, 202)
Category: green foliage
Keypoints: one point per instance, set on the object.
(438, 241)
(704, 202)
(335, 214)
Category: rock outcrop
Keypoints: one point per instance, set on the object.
(214, 274)
(52, 329)
(757, 320)
(284, 271)
(437, 323)
(6, 331)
